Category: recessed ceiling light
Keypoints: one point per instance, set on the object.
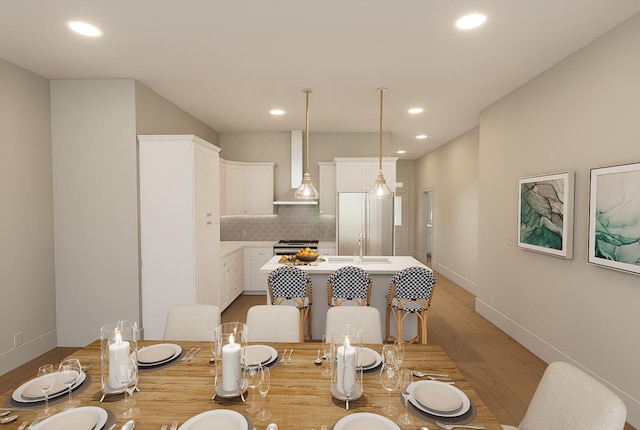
(470, 21)
(85, 29)
(416, 110)
(402, 151)
(276, 112)
(421, 136)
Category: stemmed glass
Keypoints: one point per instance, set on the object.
(127, 377)
(263, 388)
(406, 379)
(399, 344)
(253, 377)
(70, 371)
(326, 347)
(390, 379)
(390, 354)
(46, 377)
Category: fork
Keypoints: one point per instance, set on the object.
(164, 427)
(36, 421)
(283, 355)
(194, 354)
(174, 426)
(186, 356)
(290, 354)
(456, 426)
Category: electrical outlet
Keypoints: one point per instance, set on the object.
(17, 339)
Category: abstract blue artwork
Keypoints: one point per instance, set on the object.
(545, 214)
(614, 217)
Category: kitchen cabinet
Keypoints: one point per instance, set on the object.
(255, 258)
(248, 188)
(327, 184)
(179, 225)
(231, 278)
(326, 249)
(357, 174)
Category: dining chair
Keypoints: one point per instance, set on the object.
(349, 286)
(291, 286)
(191, 322)
(365, 317)
(569, 399)
(410, 292)
(268, 323)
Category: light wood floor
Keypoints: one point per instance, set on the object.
(503, 373)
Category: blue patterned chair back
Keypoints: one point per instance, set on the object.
(349, 286)
(291, 286)
(411, 289)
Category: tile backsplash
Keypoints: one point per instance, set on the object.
(287, 222)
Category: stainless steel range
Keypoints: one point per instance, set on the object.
(290, 247)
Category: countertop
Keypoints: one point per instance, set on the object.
(372, 264)
(230, 246)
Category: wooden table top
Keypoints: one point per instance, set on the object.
(299, 397)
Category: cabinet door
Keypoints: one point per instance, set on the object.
(206, 240)
(205, 185)
(258, 191)
(259, 257)
(236, 284)
(235, 190)
(327, 188)
(225, 280)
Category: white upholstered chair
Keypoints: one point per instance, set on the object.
(269, 323)
(569, 399)
(365, 317)
(191, 322)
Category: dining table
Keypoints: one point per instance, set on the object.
(299, 396)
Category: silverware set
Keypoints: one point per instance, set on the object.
(174, 426)
(190, 355)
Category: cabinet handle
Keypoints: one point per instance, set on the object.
(209, 214)
(209, 222)
(261, 252)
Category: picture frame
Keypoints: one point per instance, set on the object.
(545, 213)
(614, 217)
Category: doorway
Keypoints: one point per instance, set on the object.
(428, 198)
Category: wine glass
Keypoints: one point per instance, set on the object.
(263, 388)
(326, 348)
(46, 378)
(253, 377)
(390, 379)
(406, 379)
(390, 354)
(399, 344)
(127, 377)
(70, 371)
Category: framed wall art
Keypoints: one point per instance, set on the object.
(545, 214)
(614, 217)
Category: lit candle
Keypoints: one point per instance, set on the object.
(118, 355)
(346, 367)
(230, 366)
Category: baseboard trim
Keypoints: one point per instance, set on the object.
(465, 283)
(29, 350)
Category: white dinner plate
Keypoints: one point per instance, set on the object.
(83, 418)
(365, 421)
(219, 419)
(370, 359)
(19, 395)
(262, 354)
(447, 389)
(155, 355)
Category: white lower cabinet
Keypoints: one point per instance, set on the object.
(325, 250)
(231, 278)
(255, 258)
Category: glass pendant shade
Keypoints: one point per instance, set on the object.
(380, 190)
(306, 190)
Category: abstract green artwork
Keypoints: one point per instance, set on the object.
(545, 214)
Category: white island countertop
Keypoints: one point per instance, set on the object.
(372, 264)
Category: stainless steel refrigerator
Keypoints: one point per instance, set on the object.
(373, 218)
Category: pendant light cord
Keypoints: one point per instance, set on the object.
(307, 91)
(382, 90)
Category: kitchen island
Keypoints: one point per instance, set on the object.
(381, 270)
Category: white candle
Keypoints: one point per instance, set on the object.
(118, 355)
(230, 366)
(346, 367)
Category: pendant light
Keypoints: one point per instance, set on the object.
(306, 190)
(380, 190)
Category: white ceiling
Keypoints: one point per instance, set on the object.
(228, 62)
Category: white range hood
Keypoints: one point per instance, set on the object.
(289, 198)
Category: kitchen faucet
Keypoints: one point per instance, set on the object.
(360, 246)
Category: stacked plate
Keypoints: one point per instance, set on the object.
(159, 354)
(83, 418)
(263, 354)
(438, 399)
(365, 421)
(30, 391)
(219, 419)
(368, 359)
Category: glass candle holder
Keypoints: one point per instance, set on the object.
(346, 352)
(118, 344)
(229, 340)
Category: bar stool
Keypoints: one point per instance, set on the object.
(291, 286)
(349, 286)
(410, 292)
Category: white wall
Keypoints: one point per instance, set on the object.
(580, 114)
(451, 171)
(95, 206)
(26, 217)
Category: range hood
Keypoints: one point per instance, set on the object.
(289, 198)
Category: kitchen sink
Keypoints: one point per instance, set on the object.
(367, 260)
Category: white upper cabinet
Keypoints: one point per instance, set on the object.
(327, 170)
(358, 174)
(248, 187)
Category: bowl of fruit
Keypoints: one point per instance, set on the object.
(307, 255)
